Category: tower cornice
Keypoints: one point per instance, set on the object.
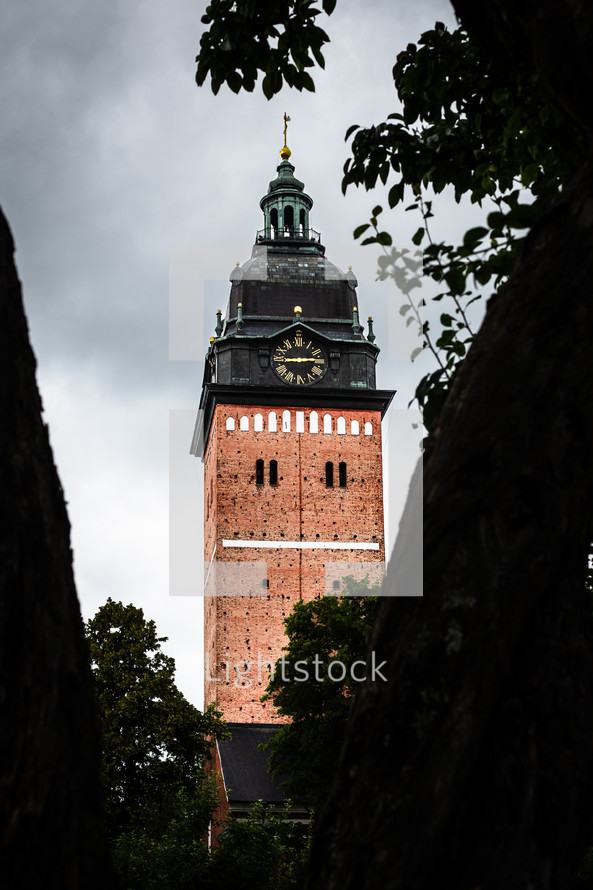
(313, 398)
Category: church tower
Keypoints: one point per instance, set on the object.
(290, 421)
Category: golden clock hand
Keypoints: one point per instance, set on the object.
(300, 359)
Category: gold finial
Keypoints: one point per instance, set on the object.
(297, 310)
(211, 340)
(285, 152)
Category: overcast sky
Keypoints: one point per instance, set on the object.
(113, 161)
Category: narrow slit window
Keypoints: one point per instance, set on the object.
(329, 474)
(273, 472)
(259, 472)
(342, 472)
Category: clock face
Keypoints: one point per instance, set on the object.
(299, 360)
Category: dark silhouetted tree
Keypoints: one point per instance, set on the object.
(52, 833)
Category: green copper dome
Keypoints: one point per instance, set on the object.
(286, 209)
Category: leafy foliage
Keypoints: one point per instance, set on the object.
(176, 859)
(154, 741)
(492, 137)
(279, 38)
(266, 850)
(303, 753)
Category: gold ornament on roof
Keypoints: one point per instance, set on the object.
(285, 152)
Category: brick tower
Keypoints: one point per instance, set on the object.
(290, 425)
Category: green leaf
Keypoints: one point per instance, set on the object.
(396, 193)
(268, 86)
(473, 236)
(482, 274)
(319, 58)
(500, 95)
(523, 216)
(384, 238)
(329, 6)
(307, 82)
(360, 229)
(418, 235)
(455, 281)
(496, 220)
(235, 81)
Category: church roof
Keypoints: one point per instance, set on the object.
(272, 282)
(245, 766)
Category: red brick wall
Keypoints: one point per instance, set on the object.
(299, 508)
(220, 815)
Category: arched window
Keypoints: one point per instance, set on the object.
(313, 422)
(342, 471)
(272, 422)
(355, 428)
(259, 472)
(327, 423)
(244, 423)
(274, 221)
(230, 423)
(273, 472)
(300, 421)
(288, 219)
(329, 474)
(286, 421)
(341, 426)
(368, 428)
(302, 222)
(258, 423)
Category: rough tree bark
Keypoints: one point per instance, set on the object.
(51, 829)
(472, 767)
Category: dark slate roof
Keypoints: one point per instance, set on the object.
(244, 766)
(274, 281)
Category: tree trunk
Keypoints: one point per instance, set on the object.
(472, 767)
(51, 823)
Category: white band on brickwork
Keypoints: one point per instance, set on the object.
(302, 545)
